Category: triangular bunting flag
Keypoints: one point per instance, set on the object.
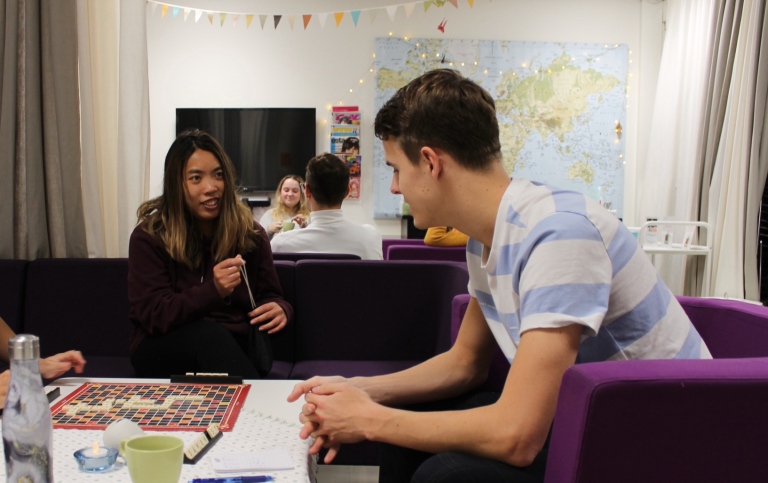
(306, 18)
(277, 20)
(471, 3)
(427, 4)
(222, 18)
(455, 3)
(291, 19)
(322, 17)
(355, 16)
(262, 20)
(198, 13)
(373, 13)
(409, 9)
(186, 13)
(338, 16)
(154, 7)
(210, 18)
(164, 11)
(235, 18)
(392, 10)
(175, 11)
(248, 20)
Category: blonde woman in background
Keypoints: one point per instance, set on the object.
(291, 206)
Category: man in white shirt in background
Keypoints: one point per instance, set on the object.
(327, 184)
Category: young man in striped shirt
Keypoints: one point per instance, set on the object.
(555, 279)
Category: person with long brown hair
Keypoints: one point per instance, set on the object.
(291, 205)
(202, 286)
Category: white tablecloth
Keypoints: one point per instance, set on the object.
(266, 421)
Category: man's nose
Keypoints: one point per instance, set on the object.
(394, 187)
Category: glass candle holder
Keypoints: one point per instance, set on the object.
(92, 462)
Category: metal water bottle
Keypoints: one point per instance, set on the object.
(27, 426)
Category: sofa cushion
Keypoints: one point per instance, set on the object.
(374, 310)
(12, 292)
(80, 304)
(283, 342)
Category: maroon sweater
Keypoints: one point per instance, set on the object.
(165, 294)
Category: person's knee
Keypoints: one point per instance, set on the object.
(208, 330)
(440, 468)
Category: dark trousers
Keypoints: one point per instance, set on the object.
(402, 465)
(202, 346)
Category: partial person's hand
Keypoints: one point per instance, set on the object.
(270, 315)
(275, 227)
(305, 387)
(56, 365)
(5, 379)
(300, 220)
(226, 275)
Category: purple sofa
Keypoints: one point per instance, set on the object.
(424, 252)
(352, 317)
(296, 256)
(665, 420)
(12, 285)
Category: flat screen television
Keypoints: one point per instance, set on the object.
(264, 144)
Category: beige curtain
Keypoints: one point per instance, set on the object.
(669, 189)
(42, 213)
(114, 87)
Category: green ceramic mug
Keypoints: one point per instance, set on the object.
(153, 458)
(288, 225)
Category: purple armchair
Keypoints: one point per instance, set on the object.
(661, 421)
(387, 242)
(664, 420)
(730, 328)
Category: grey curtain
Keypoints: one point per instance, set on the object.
(726, 28)
(758, 167)
(41, 214)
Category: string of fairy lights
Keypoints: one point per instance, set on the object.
(442, 60)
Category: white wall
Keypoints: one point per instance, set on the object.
(203, 65)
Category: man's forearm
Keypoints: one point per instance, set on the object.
(485, 431)
(443, 376)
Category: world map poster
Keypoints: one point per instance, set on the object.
(561, 108)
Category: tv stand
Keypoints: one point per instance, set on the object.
(257, 201)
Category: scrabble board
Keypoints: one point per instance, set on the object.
(153, 406)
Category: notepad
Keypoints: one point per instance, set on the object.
(262, 460)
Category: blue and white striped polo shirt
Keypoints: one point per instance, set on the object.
(559, 258)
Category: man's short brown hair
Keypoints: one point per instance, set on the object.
(442, 109)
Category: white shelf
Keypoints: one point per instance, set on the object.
(677, 248)
(702, 229)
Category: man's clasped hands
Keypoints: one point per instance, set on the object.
(334, 412)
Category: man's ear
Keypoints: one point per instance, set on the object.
(433, 160)
(307, 191)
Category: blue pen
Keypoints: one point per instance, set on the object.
(234, 479)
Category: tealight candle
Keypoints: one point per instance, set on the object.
(96, 458)
(95, 451)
